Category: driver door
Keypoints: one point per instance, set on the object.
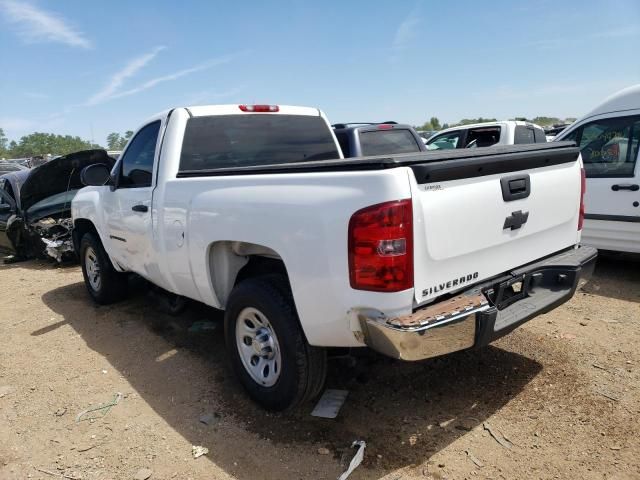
(129, 205)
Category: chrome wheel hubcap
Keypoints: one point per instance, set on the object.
(258, 347)
(92, 267)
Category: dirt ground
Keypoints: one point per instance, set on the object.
(561, 395)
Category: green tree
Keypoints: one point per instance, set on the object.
(123, 140)
(432, 124)
(39, 143)
(469, 121)
(113, 141)
(546, 121)
(4, 142)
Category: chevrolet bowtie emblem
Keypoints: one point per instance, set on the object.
(516, 220)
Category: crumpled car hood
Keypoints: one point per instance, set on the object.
(59, 175)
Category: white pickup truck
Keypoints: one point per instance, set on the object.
(253, 209)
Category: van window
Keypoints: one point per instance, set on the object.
(223, 141)
(609, 147)
(387, 142)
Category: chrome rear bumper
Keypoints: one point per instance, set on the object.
(482, 314)
(431, 332)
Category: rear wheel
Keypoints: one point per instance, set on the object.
(269, 353)
(103, 282)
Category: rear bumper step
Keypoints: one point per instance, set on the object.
(483, 313)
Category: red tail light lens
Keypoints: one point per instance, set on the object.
(381, 247)
(583, 189)
(259, 108)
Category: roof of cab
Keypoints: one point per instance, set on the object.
(625, 99)
(233, 109)
(487, 125)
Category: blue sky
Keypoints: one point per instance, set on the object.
(89, 68)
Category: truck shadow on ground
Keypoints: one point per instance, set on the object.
(405, 412)
(617, 275)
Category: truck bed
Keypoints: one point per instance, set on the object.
(439, 165)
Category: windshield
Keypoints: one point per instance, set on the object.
(60, 200)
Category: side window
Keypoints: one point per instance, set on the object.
(524, 134)
(609, 147)
(483, 137)
(445, 141)
(573, 136)
(387, 142)
(137, 160)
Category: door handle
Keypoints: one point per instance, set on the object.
(625, 186)
(515, 187)
(140, 208)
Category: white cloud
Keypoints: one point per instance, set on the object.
(37, 25)
(174, 76)
(118, 78)
(405, 34)
(113, 88)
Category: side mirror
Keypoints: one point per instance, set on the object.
(95, 175)
(5, 208)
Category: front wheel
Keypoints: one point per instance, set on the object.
(269, 353)
(103, 282)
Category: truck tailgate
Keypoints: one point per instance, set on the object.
(477, 217)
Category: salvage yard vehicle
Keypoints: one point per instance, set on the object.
(489, 134)
(369, 139)
(7, 167)
(35, 206)
(252, 209)
(608, 138)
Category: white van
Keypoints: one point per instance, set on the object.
(608, 137)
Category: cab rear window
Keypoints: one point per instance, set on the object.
(225, 141)
(387, 142)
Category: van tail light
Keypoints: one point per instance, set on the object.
(381, 247)
(583, 189)
(259, 108)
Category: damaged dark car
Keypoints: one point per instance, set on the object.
(35, 206)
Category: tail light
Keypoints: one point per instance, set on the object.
(259, 108)
(381, 247)
(583, 189)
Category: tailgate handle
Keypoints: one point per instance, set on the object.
(515, 187)
(625, 186)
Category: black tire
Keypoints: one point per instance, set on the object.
(303, 369)
(113, 285)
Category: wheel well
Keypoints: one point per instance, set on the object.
(232, 262)
(258, 265)
(80, 227)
